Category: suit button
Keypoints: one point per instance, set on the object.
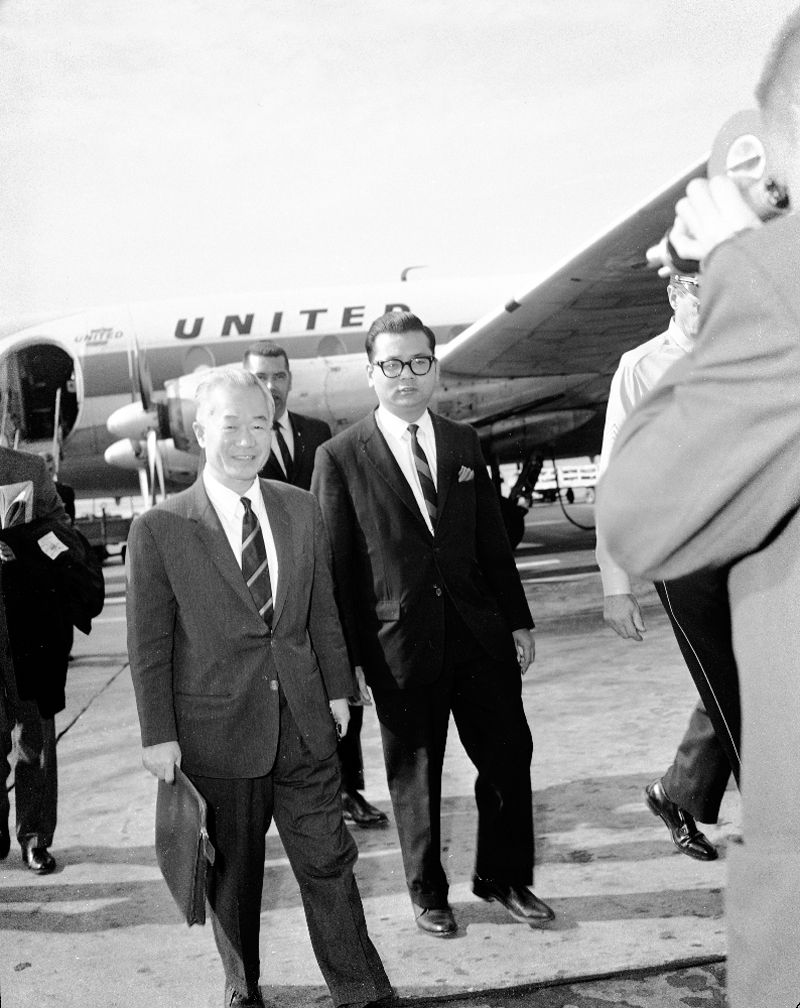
(437, 590)
(273, 684)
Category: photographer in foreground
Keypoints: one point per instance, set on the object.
(706, 472)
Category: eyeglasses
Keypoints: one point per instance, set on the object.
(393, 367)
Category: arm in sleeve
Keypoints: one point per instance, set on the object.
(330, 489)
(707, 466)
(493, 550)
(615, 580)
(324, 627)
(151, 621)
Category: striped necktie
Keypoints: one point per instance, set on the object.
(254, 562)
(283, 448)
(424, 473)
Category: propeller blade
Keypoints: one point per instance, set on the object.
(156, 467)
(141, 379)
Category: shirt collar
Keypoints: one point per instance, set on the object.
(678, 336)
(284, 421)
(225, 499)
(397, 427)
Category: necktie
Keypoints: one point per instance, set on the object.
(283, 448)
(254, 562)
(424, 473)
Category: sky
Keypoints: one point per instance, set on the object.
(176, 147)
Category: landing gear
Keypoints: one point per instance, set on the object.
(512, 511)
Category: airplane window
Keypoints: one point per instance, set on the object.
(330, 346)
(198, 357)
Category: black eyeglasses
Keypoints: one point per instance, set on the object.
(393, 367)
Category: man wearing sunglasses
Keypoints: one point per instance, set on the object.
(694, 785)
(435, 614)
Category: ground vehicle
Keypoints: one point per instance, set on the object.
(580, 479)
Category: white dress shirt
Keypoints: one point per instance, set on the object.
(639, 370)
(288, 437)
(398, 437)
(230, 511)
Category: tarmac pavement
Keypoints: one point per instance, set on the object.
(606, 717)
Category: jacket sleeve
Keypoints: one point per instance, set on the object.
(151, 623)
(493, 550)
(615, 580)
(715, 445)
(330, 488)
(324, 627)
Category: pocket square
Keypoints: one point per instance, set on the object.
(465, 474)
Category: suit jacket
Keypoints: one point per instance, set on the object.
(706, 472)
(16, 467)
(205, 667)
(391, 573)
(309, 434)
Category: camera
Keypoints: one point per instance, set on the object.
(740, 153)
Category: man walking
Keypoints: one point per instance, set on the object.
(697, 606)
(241, 677)
(294, 445)
(434, 612)
(42, 679)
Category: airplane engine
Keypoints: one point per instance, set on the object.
(178, 466)
(515, 437)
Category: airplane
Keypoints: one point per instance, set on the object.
(532, 375)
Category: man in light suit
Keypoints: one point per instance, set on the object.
(697, 606)
(241, 677)
(706, 472)
(434, 612)
(35, 775)
(294, 445)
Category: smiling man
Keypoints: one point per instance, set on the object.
(435, 614)
(241, 679)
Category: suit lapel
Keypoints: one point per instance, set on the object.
(380, 455)
(281, 527)
(445, 463)
(208, 527)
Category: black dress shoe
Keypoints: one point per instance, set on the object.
(357, 809)
(682, 827)
(234, 999)
(436, 921)
(520, 902)
(38, 859)
(5, 842)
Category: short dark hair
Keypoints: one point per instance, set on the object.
(265, 348)
(397, 323)
(778, 88)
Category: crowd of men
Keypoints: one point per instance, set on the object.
(305, 575)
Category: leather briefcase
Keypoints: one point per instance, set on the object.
(183, 849)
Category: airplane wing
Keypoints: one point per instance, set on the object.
(583, 315)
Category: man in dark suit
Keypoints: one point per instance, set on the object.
(291, 460)
(296, 437)
(434, 612)
(35, 774)
(241, 678)
(706, 473)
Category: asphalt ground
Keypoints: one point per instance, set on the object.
(637, 923)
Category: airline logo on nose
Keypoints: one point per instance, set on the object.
(99, 337)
